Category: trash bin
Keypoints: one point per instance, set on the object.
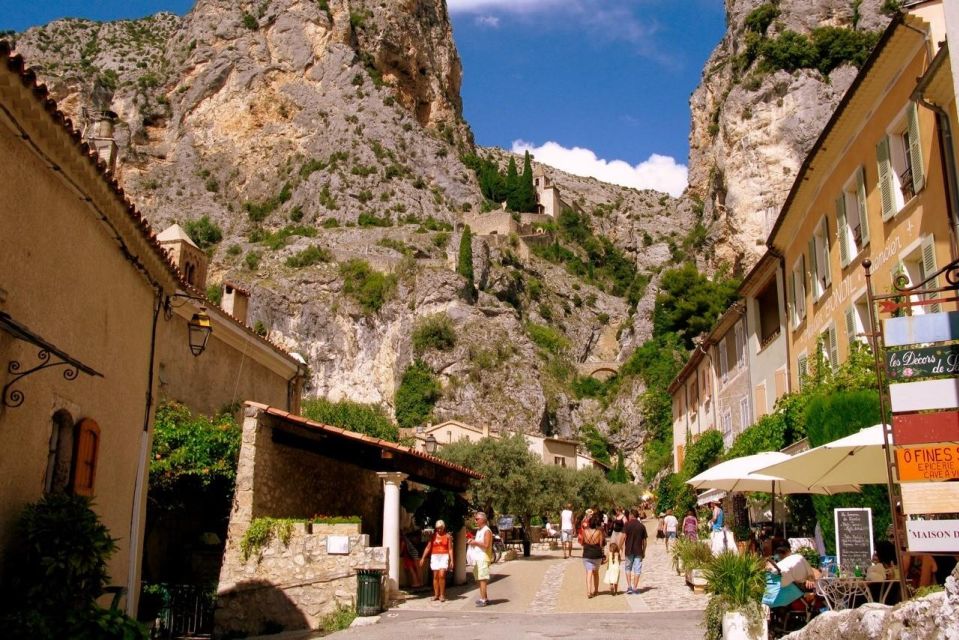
(368, 596)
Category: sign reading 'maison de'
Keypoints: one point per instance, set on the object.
(931, 536)
(928, 361)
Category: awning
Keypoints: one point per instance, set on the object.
(709, 495)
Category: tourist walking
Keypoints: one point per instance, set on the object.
(593, 541)
(440, 552)
(481, 548)
(567, 530)
(612, 571)
(691, 525)
(670, 527)
(635, 550)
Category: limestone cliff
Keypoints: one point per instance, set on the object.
(752, 126)
(294, 124)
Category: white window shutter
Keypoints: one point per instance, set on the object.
(824, 255)
(791, 285)
(851, 322)
(833, 347)
(929, 268)
(723, 360)
(740, 345)
(886, 186)
(814, 268)
(863, 211)
(801, 293)
(915, 149)
(842, 230)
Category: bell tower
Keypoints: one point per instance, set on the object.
(188, 258)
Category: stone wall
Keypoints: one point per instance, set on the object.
(492, 223)
(292, 586)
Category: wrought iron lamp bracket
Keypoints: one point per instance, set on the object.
(950, 272)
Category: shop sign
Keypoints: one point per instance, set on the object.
(928, 327)
(922, 428)
(928, 463)
(929, 497)
(932, 536)
(925, 395)
(928, 361)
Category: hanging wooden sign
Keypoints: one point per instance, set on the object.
(922, 428)
(928, 463)
(925, 395)
(929, 497)
(928, 361)
(932, 536)
(928, 327)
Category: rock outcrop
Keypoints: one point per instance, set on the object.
(751, 128)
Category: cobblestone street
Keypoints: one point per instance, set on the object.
(544, 596)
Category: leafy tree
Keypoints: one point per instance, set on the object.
(618, 474)
(702, 453)
(203, 232)
(596, 443)
(464, 266)
(768, 434)
(523, 195)
(418, 392)
(689, 303)
(192, 453)
(368, 419)
(759, 19)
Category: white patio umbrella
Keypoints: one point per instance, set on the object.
(856, 459)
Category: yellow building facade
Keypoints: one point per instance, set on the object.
(873, 187)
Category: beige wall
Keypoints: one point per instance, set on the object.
(890, 241)
(65, 278)
(223, 374)
(767, 362)
(553, 449)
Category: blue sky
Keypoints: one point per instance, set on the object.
(595, 87)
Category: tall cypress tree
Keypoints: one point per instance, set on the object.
(464, 266)
(513, 185)
(526, 193)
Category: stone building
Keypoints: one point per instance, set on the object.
(765, 322)
(291, 467)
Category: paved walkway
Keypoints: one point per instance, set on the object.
(523, 590)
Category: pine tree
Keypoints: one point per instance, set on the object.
(513, 185)
(465, 265)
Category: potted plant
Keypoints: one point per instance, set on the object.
(690, 557)
(736, 585)
(535, 529)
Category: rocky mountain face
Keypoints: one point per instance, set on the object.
(335, 126)
(751, 127)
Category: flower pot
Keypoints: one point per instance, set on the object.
(535, 533)
(696, 579)
(736, 627)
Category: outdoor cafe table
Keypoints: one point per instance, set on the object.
(841, 593)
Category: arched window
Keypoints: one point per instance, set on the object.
(60, 452)
(85, 452)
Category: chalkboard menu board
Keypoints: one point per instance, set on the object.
(853, 538)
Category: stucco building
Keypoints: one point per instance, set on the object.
(765, 323)
(693, 391)
(873, 186)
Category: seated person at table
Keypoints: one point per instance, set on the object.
(795, 568)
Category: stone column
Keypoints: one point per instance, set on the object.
(459, 553)
(391, 524)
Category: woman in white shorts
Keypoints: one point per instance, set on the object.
(440, 552)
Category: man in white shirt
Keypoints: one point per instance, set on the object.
(567, 530)
(482, 553)
(795, 569)
(671, 526)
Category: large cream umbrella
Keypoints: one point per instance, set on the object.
(856, 459)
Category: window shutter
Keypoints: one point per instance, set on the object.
(723, 360)
(760, 400)
(863, 211)
(813, 268)
(929, 268)
(793, 311)
(843, 230)
(801, 293)
(740, 345)
(833, 347)
(86, 447)
(915, 149)
(824, 256)
(851, 323)
(885, 179)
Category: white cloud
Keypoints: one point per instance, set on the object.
(659, 172)
(488, 21)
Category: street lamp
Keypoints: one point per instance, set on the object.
(430, 444)
(200, 330)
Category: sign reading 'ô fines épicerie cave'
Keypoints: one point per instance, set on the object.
(928, 361)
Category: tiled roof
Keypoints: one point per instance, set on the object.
(175, 233)
(359, 437)
(28, 77)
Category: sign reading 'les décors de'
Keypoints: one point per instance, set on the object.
(910, 363)
(933, 536)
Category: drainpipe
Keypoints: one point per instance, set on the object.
(948, 157)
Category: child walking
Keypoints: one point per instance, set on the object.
(612, 571)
